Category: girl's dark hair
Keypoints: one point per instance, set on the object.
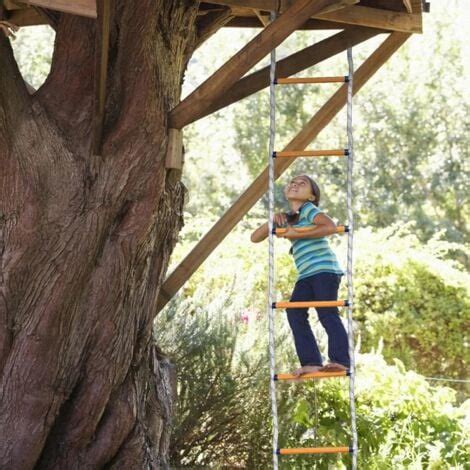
(293, 217)
(315, 189)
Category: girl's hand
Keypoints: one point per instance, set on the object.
(280, 219)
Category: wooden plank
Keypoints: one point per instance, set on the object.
(174, 151)
(291, 65)
(375, 18)
(311, 375)
(357, 15)
(75, 7)
(256, 190)
(252, 22)
(312, 304)
(221, 81)
(313, 450)
(101, 71)
(266, 5)
(313, 80)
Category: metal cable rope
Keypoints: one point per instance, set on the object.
(349, 271)
(272, 357)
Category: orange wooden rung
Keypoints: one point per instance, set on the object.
(312, 375)
(314, 450)
(300, 80)
(306, 228)
(312, 153)
(314, 304)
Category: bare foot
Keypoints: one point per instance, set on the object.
(333, 367)
(305, 370)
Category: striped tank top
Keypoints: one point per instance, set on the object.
(313, 255)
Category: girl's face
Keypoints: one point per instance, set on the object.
(299, 189)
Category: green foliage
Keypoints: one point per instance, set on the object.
(33, 51)
(220, 389)
(217, 337)
(418, 303)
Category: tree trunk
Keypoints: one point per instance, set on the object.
(85, 242)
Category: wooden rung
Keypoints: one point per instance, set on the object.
(311, 153)
(306, 228)
(312, 375)
(314, 450)
(314, 304)
(301, 80)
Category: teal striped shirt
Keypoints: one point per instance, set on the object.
(313, 255)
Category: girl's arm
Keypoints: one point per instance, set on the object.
(322, 227)
(262, 232)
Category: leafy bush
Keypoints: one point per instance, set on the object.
(418, 303)
(216, 334)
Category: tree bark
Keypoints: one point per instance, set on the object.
(85, 243)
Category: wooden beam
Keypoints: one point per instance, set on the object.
(256, 190)
(252, 22)
(293, 64)
(353, 15)
(75, 7)
(266, 5)
(375, 18)
(101, 70)
(220, 82)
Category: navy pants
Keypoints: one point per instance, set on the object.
(321, 286)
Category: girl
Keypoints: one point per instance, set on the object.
(319, 276)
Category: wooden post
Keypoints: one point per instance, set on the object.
(246, 201)
(174, 152)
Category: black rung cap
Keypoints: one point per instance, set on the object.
(346, 152)
(351, 449)
(278, 451)
(348, 373)
(273, 231)
(273, 305)
(346, 303)
(275, 81)
(274, 154)
(346, 228)
(275, 377)
(346, 78)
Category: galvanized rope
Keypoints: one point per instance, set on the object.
(349, 271)
(271, 282)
